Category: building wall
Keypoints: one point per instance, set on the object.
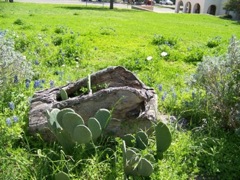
(189, 6)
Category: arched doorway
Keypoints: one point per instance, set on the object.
(179, 7)
(187, 8)
(212, 10)
(196, 8)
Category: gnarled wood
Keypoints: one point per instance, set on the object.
(133, 105)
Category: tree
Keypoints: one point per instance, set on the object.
(233, 5)
(111, 4)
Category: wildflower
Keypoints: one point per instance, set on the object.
(15, 79)
(164, 96)
(163, 54)
(51, 83)
(43, 81)
(36, 62)
(15, 119)
(36, 84)
(8, 121)
(174, 95)
(27, 80)
(11, 106)
(149, 58)
(27, 84)
(160, 87)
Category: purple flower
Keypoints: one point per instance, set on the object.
(8, 121)
(27, 80)
(36, 62)
(164, 96)
(15, 79)
(15, 119)
(36, 84)
(27, 84)
(43, 81)
(11, 105)
(160, 87)
(51, 83)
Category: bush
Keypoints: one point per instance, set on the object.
(214, 42)
(161, 40)
(219, 77)
(13, 65)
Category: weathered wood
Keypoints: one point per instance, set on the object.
(133, 105)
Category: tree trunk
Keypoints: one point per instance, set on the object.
(111, 4)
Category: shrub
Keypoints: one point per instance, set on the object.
(160, 40)
(195, 54)
(219, 78)
(214, 42)
(13, 65)
(18, 22)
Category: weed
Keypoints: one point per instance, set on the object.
(18, 22)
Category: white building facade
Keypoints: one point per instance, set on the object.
(214, 7)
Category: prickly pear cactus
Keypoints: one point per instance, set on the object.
(144, 168)
(63, 94)
(141, 140)
(163, 138)
(103, 116)
(95, 127)
(61, 113)
(129, 140)
(69, 127)
(61, 176)
(82, 134)
(70, 120)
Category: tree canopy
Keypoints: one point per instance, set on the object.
(233, 5)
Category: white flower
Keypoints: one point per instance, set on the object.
(163, 54)
(149, 58)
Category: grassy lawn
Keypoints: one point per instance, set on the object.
(66, 42)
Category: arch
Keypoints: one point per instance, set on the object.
(187, 7)
(212, 10)
(196, 8)
(179, 7)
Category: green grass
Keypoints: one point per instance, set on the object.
(95, 38)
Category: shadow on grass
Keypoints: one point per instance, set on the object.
(96, 8)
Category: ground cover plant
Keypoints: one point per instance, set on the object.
(162, 49)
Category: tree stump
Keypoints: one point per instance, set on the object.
(133, 105)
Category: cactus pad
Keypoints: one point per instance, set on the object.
(145, 168)
(63, 94)
(141, 140)
(61, 176)
(70, 120)
(82, 134)
(103, 116)
(61, 113)
(95, 127)
(52, 116)
(129, 140)
(163, 137)
(132, 160)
